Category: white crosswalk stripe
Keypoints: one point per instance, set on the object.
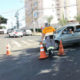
(17, 43)
(31, 40)
(24, 43)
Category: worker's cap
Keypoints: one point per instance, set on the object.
(46, 24)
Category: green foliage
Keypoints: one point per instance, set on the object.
(63, 21)
(78, 18)
(37, 30)
(2, 27)
(49, 19)
(3, 20)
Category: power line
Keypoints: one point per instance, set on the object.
(50, 8)
(10, 11)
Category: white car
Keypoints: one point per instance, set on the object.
(29, 32)
(16, 33)
(26, 32)
(3, 31)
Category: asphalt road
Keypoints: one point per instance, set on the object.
(24, 63)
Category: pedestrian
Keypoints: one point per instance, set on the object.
(47, 33)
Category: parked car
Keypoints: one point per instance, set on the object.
(27, 32)
(9, 31)
(3, 31)
(16, 33)
(66, 36)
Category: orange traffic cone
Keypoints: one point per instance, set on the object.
(8, 50)
(42, 52)
(61, 50)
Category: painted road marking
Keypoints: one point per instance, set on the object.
(31, 40)
(17, 43)
(25, 42)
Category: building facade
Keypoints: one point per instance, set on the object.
(78, 6)
(67, 8)
(37, 11)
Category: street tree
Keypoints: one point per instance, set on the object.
(49, 19)
(3, 20)
(2, 27)
(78, 18)
(63, 21)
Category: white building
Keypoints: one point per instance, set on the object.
(71, 9)
(55, 8)
(58, 8)
(48, 9)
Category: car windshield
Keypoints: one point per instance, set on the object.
(59, 29)
(18, 30)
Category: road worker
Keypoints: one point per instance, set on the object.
(47, 33)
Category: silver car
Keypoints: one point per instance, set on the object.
(69, 34)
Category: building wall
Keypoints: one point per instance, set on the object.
(32, 13)
(49, 10)
(60, 9)
(28, 12)
(71, 9)
(67, 8)
(38, 10)
(78, 6)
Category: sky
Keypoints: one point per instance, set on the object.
(8, 9)
(9, 6)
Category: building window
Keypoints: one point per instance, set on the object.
(58, 19)
(58, 14)
(35, 4)
(58, 9)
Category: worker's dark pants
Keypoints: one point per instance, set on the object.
(50, 43)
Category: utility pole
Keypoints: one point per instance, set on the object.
(65, 10)
(33, 20)
(17, 19)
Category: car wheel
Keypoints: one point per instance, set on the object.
(21, 36)
(45, 49)
(9, 36)
(56, 45)
(31, 34)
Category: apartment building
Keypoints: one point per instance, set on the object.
(71, 9)
(28, 12)
(67, 8)
(38, 10)
(78, 6)
(31, 11)
(49, 9)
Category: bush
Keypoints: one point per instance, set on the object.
(37, 30)
(2, 27)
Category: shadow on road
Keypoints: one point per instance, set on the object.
(27, 66)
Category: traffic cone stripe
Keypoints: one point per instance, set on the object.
(61, 49)
(42, 50)
(8, 50)
(41, 45)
